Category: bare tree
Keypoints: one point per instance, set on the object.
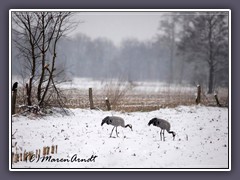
(168, 28)
(207, 37)
(25, 27)
(37, 35)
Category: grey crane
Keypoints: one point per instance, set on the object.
(164, 125)
(115, 121)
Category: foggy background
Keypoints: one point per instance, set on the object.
(130, 46)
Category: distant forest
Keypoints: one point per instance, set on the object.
(188, 49)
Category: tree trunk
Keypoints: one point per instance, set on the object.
(211, 69)
(57, 30)
(33, 68)
(29, 93)
(170, 81)
(210, 82)
(50, 77)
(182, 66)
(43, 60)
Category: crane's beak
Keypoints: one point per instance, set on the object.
(150, 122)
(102, 123)
(174, 134)
(104, 120)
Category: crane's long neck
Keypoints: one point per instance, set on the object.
(129, 125)
(173, 134)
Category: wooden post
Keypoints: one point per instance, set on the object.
(12, 157)
(21, 157)
(36, 155)
(44, 151)
(18, 157)
(15, 158)
(91, 98)
(14, 97)
(198, 99)
(48, 148)
(216, 98)
(52, 149)
(108, 104)
(25, 156)
(56, 148)
(30, 155)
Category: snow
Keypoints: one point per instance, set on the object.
(139, 86)
(201, 140)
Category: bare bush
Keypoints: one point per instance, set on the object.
(116, 91)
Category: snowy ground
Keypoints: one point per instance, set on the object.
(201, 141)
(97, 84)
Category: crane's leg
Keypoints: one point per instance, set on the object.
(163, 136)
(116, 132)
(112, 131)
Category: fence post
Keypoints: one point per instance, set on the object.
(91, 98)
(21, 157)
(216, 98)
(198, 99)
(12, 157)
(25, 156)
(108, 104)
(44, 151)
(30, 155)
(52, 149)
(47, 150)
(14, 97)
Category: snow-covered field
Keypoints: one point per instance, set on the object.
(201, 140)
(97, 84)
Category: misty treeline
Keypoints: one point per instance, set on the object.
(190, 48)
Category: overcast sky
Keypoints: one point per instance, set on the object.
(117, 26)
